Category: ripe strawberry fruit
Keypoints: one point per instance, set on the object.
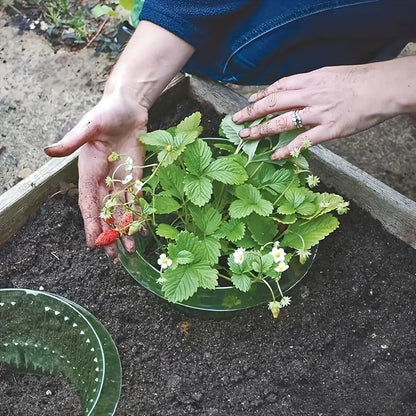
(125, 222)
(107, 237)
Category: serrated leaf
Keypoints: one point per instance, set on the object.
(230, 129)
(145, 207)
(226, 170)
(198, 189)
(212, 249)
(306, 208)
(263, 264)
(197, 157)
(250, 147)
(190, 123)
(165, 204)
(167, 231)
(305, 234)
(187, 241)
(233, 230)
(207, 218)
(157, 138)
(171, 179)
(328, 202)
(282, 179)
(184, 257)
(181, 283)
(249, 200)
(183, 139)
(263, 229)
(241, 282)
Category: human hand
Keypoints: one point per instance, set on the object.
(114, 124)
(331, 102)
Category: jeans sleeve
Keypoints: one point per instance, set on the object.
(197, 20)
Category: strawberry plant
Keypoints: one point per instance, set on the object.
(221, 210)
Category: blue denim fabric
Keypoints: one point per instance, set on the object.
(257, 42)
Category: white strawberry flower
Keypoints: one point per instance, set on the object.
(164, 261)
(239, 255)
(127, 179)
(278, 254)
(281, 267)
(128, 164)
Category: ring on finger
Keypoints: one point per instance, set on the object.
(297, 119)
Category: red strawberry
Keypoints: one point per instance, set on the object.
(109, 220)
(107, 237)
(125, 222)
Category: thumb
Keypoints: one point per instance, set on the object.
(82, 133)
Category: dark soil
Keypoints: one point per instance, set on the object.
(344, 347)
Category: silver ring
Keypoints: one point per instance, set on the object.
(297, 119)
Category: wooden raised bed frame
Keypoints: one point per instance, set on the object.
(395, 212)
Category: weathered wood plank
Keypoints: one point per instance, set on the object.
(396, 212)
(22, 200)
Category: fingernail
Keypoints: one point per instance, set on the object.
(49, 146)
(244, 133)
(275, 156)
(252, 98)
(236, 117)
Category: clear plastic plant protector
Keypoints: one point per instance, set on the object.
(44, 332)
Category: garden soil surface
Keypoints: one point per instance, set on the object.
(345, 346)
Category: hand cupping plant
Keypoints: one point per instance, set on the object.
(220, 209)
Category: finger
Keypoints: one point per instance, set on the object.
(275, 102)
(85, 131)
(312, 136)
(293, 82)
(90, 210)
(279, 124)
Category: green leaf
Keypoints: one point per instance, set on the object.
(328, 202)
(249, 200)
(102, 10)
(187, 241)
(184, 138)
(231, 130)
(171, 179)
(263, 229)
(157, 138)
(263, 263)
(127, 4)
(212, 249)
(165, 204)
(181, 283)
(233, 230)
(306, 208)
(198, 189)
(282, 179)
(241, 282)
(167, 231)
(207, 219)
(184, 257)
(305, 234)
(190, 123)
(145, 207)
(226, 170)
(197, 157)
(250, 147)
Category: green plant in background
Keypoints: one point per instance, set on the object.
(104, 10)
(220, 208)
(58, 13)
